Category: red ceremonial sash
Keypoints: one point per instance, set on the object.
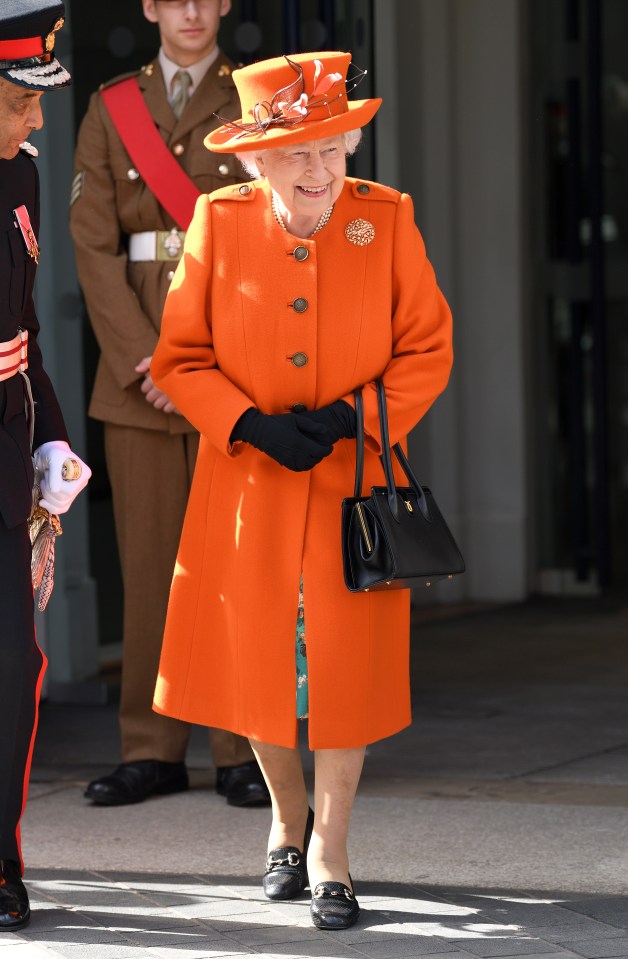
(164, 177)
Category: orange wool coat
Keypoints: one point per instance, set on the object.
(228, 337)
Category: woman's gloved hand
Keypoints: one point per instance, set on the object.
(289, 438)
(338, 419)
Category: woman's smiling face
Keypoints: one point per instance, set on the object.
(307, 177)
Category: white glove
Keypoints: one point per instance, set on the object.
(54, 461)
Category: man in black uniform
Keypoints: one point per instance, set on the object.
(30, 418)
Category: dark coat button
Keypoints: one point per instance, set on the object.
(300, 305)
(364, 188)
(299, 359)
(301, 253)
(299, 408)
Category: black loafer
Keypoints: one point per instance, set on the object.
(242, 785)
(14, 907)
(286, 870)
(135, 782)
(334, 906)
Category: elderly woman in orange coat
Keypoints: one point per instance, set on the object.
(294, 291)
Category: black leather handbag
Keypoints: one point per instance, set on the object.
(396, 537)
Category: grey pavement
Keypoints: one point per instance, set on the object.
(495, 826)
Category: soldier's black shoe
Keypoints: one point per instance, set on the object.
(135, 782)
(14, 908)
(242, 785)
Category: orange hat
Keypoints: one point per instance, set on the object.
(291, 100)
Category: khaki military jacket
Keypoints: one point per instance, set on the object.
(109, 202)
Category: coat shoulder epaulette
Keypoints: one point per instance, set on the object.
(363, 189)
(368, 190)
(237, 191)
(123, 76)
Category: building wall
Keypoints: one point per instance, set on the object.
(452, 71)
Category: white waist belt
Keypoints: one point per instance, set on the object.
(166, 245)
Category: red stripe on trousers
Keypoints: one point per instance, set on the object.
(29, 760)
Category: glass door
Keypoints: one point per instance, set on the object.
(579, 198)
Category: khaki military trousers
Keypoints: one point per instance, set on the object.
(150, 473)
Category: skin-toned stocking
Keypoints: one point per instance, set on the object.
(283, 773)
(337, 774)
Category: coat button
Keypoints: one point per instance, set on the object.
(300, 305)
(301, 253)
(171, 274)
(132, 174)
(364, 188)
(178, 149)
(223, 169)
(299, 408)
(299, 359)
(244, 189)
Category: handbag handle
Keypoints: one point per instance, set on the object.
(385, 457)
(359, 444)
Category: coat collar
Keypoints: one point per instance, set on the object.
(151, 83)
(214, 93)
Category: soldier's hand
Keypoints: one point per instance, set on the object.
(153, 395)
(62, 475)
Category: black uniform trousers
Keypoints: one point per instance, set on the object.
(22, 666)
(21, 662)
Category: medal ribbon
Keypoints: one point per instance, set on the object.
(23, 220)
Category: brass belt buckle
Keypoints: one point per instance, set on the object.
(170, 244)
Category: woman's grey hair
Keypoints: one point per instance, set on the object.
(350, 139)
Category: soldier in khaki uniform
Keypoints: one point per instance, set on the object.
(127, 248)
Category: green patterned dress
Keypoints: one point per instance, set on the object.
(302, 697)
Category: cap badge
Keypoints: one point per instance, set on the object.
(360, 232)
(50, 39)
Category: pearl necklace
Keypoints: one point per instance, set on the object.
(319, 226)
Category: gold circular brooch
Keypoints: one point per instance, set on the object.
(360, 232)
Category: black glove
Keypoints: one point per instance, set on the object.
(289, 438)
(338, 419)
